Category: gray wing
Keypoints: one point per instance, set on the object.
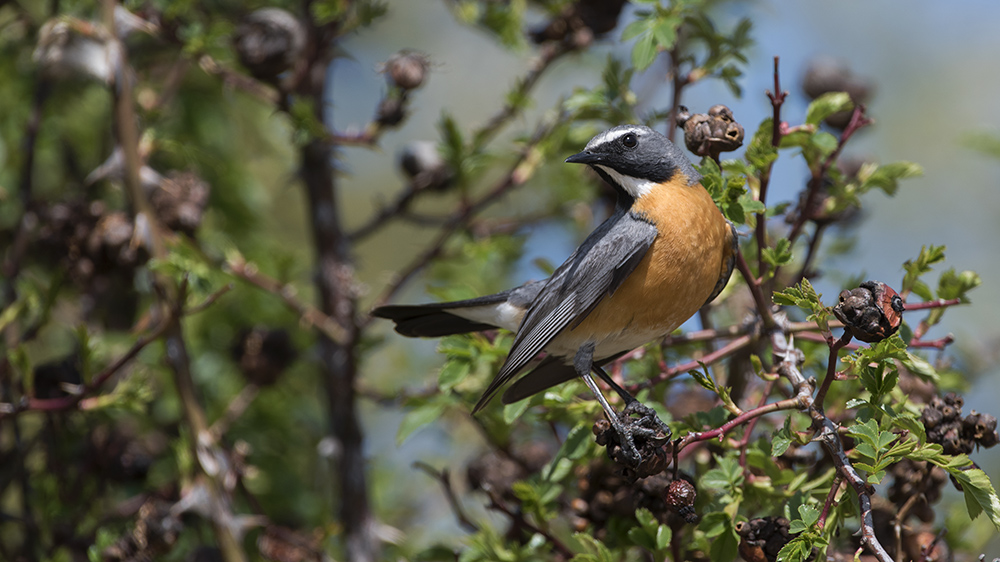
(596, 269)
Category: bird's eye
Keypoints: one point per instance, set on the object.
(630, 140)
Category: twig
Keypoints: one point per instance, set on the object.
(831, 368)
(828, 436)
(858, 121)
(763, 304)
(66, 402)
(831, 500)
(444, 478)
(549, 54)
(721, 353)
(308, 313)
(796, 403)
(239, 81)
(386, 213)
(940, 303)
(234, 410)
(515, 177)
(521, 521)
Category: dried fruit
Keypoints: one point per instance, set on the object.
(872, 312)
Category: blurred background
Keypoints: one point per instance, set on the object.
(934, 79)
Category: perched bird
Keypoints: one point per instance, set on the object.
(664, 252)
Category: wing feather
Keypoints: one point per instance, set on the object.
(595, 270)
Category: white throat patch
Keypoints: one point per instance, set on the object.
(635, 187)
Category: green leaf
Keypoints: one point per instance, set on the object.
(663, 536)
(796, 550)
(919, 366)
(511, 412)
(915, 268)
(595, 549)
(805, 297)
(726, 545)
(418, 417)
(643, 52)
(826, 105)
(782, 439)
(452, 373)
(887, 176)
(760, 153)
(780, 255)
(980, 496)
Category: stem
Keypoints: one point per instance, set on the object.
(708, 359)
(760, 231)
(831, 368)
(763, 306)
(335, 282)
(444, 478)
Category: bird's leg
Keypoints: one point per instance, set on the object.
(583, 363)
(648, 424)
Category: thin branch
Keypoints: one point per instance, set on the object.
(721, 353)
(831, 368)
(763, 303)
(444, 478)
(858, 121)
(797, 403)
(777, 98)
(519, 519)
(515, 177)
(308, 313)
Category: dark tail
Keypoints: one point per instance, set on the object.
(428, 320)
(434, 320)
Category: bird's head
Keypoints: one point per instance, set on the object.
(636, 159)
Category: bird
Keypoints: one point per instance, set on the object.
(664, 252)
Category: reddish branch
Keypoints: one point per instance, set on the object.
(777, 100)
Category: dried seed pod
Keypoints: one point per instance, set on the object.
(871, 313)
(710, 134)
(180, 200)
(422, 163)
(268, 42)
(761, 539)
(264, 354)
(653, 456)
(579, 22)
(406, 69)
(680, 497)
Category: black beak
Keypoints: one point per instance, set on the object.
(584, 158)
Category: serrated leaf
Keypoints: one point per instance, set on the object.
(826, 105)
(594, 548)
(868, 431)
(781, 440)
(796, 550)
(635, 29)
(577, 442)
(809, 514)
(854, 403)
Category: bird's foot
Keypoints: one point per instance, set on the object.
(635, 443)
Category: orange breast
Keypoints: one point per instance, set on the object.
(676, 276)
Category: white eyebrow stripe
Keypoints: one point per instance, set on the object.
(609, 136)
(636, 187)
